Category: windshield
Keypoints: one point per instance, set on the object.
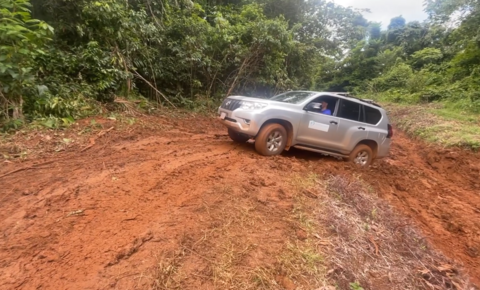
(292, 97)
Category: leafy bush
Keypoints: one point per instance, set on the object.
(398, 77)
(22, 39)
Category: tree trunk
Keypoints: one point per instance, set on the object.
(18, 109)
(240, 71)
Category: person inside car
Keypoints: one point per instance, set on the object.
(321, 108)
(324, 109)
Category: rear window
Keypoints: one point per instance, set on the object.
(372, 115)
(349, 110)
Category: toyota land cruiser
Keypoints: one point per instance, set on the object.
(356, 129)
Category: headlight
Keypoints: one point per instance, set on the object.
(245, 105)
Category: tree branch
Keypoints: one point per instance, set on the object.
(154, 88)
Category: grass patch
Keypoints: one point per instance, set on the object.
(375, 248)
(439, 125)
(302, 259)
(338, 235)
(245, 244)
(165, 273)
(453, 115)
(300, 182)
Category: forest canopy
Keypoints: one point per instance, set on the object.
(60, 58)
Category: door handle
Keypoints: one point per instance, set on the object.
(361, 128)
(333, 122)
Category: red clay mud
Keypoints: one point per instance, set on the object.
(102, 218)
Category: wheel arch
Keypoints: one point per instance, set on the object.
(286, 124)
(370, 143)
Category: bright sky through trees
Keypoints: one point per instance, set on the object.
(384, 10)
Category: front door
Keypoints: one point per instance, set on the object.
(318, 130)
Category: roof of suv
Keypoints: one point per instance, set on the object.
(347, 96)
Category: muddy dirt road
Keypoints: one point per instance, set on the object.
(107, 217)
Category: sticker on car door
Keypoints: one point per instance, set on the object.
(318, 126)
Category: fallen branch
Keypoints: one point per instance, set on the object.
(92, 142)
(309, 193)
(76, 212)
(130, 219)
(153, 87)
(374, 244)
(103, 132)
(25, 168)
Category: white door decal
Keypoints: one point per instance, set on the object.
(318, 126)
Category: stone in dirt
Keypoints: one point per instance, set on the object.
(286, 283)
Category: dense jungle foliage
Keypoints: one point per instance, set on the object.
(59, 59)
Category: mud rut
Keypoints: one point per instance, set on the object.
(103, 218)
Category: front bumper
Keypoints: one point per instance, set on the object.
(240, 121)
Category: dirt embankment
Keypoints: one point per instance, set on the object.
(74, 220)
(440, 190)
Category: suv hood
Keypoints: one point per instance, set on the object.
(262, 100)
(243, 98)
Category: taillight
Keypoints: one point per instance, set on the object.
(390, 131)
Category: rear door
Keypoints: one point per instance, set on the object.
(373, 117)
(352, 127)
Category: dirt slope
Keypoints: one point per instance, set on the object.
(440, 190)
(106, 217)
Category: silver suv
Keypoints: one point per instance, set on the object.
(329, 123)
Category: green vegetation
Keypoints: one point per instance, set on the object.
(61, 60)
(73, 56)
(437, 124)
(418, 63)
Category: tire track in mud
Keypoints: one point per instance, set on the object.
(80, 215)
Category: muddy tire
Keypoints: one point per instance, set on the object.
(271, 140)
(237, 137)
(361, 156)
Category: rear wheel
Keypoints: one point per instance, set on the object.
(271, 140)
(237, 137)
(361, 156)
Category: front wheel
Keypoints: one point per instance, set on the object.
(271, 140)
(237, 137)
(361, 156)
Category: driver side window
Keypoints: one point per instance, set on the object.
(316, 105)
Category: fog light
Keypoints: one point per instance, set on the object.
(246, 121)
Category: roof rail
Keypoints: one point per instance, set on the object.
(348, 95)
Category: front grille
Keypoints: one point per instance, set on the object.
(231, 105)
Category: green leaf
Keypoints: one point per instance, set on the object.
(41, 89)
(13, 74)
(49, 123)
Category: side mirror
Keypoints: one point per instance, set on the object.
(313, 106)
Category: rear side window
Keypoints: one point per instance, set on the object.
(349, 110)
(372, 115)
